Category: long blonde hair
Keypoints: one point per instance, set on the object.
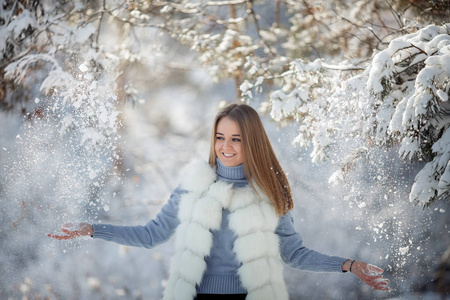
(260, 162)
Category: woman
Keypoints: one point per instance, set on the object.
(231, 222)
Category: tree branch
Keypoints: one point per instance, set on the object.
(223, 3)
(396, 15)
(358, 26)
(277, 14)
(100, 24)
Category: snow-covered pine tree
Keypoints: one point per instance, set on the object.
(400, 99)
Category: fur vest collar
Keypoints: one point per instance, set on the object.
(252, 218)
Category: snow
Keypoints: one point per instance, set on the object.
(403, 250)
(83, 68)
(92, 174)
(442, 95)
(424, 186)
(21, 23)
(227, 41)
(429, 32)
(84, 33)
(382, 69)
(246, 89)
(78, 163)
(300, 66)
(438, 42)
(57, 78)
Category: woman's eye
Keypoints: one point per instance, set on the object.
(236, 140)
(219, 138)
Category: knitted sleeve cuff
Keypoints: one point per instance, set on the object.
(103, 231)
(335, 264)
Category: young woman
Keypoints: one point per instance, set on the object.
(231, 221)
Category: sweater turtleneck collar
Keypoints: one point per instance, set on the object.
(236, 173)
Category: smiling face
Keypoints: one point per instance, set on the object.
(228, 143)
(238, 137)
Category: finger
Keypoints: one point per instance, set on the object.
(380, 284)
(381, 288)
(377, 280)
(371, 273)
(382, 280)
(67, 231)
(68, 225)
(72, 232)
(59, 237)
(374, 269)
(369, 277)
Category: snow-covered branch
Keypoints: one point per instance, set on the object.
(400, 100)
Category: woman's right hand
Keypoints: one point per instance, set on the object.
(72, 231)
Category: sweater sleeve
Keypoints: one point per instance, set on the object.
(297, 256)
(150, 235)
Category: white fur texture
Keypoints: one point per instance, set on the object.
(222, 191)
(198, 239)
(249, 248)
(186, 206)
(252, 218)
(198, 177)
(244, 197)
(191, 267)
(185, 290)
(246, 220)
(207, 212)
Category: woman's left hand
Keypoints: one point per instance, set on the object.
(370, 275)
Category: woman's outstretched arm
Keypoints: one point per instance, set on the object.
(153, 233)
(296, 255)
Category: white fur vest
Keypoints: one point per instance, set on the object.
(252, 218)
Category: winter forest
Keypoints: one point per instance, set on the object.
(103, 102)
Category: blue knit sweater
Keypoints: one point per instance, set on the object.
(221, 274)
